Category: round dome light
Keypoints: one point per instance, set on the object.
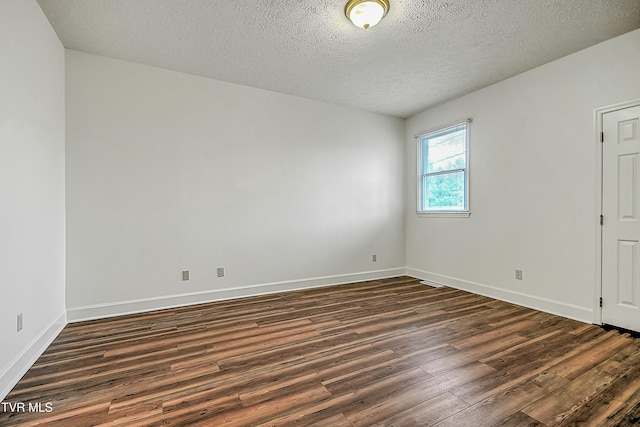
(366, 13)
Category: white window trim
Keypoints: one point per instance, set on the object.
(444, 213)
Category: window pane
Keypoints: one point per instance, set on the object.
(444, 150)
(443, 192)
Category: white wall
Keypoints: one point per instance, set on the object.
(32, 221)
(533, 183)
(169, 172)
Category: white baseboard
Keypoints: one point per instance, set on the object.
(19, 366)
(571, 311)
(100, 311)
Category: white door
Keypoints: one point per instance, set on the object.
(621, 218)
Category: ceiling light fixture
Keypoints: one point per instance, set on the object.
(366, 13)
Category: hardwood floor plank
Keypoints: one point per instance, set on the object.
(628, 419)
(463, 357)
(529, 349)
(406, 398)
(336, 421)
(500, 406)
(612, 405)
(196, 408)
(494, 334)
(573, 367)
(526, 368)
(254, 414)
(392, 403)
(520, 419)
(426, 413)
(561, 403)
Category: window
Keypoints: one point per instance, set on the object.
(443, 182)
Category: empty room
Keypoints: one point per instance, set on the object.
(319, 212)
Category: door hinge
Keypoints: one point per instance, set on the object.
(600, 301)
(601, 220)
(601, 136)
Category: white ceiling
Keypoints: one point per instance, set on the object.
(423, 53)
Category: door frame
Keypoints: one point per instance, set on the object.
(598, 119)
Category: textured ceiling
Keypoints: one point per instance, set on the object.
(423, 52)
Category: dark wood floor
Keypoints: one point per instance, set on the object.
(388, 352)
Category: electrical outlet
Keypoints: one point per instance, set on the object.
(374, 258)
(220, 271)
(518, 274)
(185, 275)
(19, 322)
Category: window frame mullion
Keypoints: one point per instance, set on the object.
(448, 171)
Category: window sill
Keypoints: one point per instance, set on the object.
(449, 214)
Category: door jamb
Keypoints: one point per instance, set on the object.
(598, 117)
